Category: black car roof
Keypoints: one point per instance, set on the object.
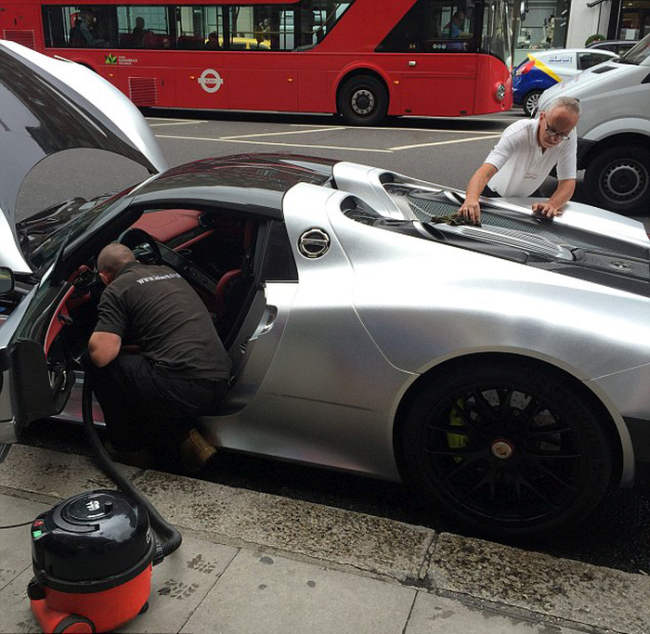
(255, 183)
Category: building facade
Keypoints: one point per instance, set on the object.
(568, 24)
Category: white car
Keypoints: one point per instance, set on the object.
(614, 130)
(544, 69)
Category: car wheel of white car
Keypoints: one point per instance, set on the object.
(363, 100)
(508, 449)
(618, 179)
(529, 104)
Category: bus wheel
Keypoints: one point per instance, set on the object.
(363, 100)
(530, 101)
(618, 179)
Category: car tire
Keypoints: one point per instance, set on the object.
(507, 450)
(363, 100)
(618, 179)
(530, 101)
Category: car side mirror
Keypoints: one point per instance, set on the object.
(6, 281)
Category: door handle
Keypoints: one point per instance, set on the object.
(413, 63)
(266, 324)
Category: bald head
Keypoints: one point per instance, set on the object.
(112, 259)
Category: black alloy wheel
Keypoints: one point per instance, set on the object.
(363, 100)
(529, 104)
(507, 450)
(618, 180)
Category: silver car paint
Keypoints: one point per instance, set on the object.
(10, 254)
(366, 182)
(8, 425)
(103, 102)
(391, 320)
(341, 389)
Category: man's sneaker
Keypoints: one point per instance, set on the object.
(196, 452)
(141, 458)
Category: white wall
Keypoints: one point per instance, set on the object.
(585, 21)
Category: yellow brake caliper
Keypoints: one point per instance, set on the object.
(457, 441)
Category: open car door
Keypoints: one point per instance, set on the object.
(47, 106)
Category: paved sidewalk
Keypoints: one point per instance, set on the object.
(253, 562)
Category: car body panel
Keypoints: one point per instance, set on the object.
(549, 68)
(339, 381)
(612, 102)
(43, 97)
(361, 290)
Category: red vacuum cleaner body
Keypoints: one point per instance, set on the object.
(92, 556)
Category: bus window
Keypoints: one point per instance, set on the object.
(79, 26)
(143, 27)
(283, 28)
(432, 26)
(497, 32)
(199, 27)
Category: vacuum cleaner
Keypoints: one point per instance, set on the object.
(93, 553)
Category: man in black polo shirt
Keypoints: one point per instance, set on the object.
(157, 361)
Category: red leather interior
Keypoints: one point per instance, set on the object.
(168, 223)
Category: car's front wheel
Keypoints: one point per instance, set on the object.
(618, 180)
(529, 104)
(507, 449)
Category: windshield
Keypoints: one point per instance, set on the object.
(496, 36)
(639, 53)
(42, 237)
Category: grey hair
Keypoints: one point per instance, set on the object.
(570, 103)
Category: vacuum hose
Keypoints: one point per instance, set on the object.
(164, 529)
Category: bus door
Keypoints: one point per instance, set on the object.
(259, 62)
(438, 83)
(259, 81)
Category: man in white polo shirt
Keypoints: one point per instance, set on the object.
(525, 155)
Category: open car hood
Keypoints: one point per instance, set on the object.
(49, 105)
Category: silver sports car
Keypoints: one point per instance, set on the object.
(503, 370)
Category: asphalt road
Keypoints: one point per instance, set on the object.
(445, 151)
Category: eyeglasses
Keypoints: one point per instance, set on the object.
(553, 133)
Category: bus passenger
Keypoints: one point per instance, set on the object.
(87, 31)
(138, 31)
(213, 42)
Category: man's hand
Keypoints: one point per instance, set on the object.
(546, 209)
(471, 210)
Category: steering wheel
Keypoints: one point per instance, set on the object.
(136, 239)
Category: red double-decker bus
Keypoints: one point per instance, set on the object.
(364, 59)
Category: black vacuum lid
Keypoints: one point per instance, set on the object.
(90, 507)
(91, 536)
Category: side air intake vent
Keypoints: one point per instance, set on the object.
(143, 91)
(26, 38)
(604, 69)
